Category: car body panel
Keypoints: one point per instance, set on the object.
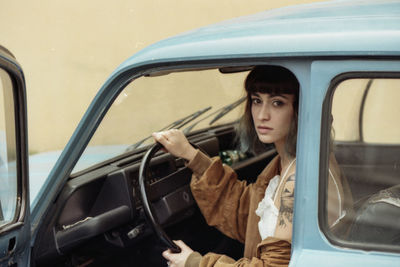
(311, 257)
(326, 29)
(308, 239)
(316, 42)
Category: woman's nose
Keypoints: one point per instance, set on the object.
(264, 113)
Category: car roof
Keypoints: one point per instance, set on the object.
(333, 28)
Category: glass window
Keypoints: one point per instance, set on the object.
(8, 171)
(362, 185)
(153, 103)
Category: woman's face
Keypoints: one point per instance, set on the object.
(272, 116)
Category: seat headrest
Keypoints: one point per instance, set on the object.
(378, 219)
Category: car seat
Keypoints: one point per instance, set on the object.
(378, 219)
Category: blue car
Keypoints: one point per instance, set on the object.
(114, 199)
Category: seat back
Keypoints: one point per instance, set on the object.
(378, 219)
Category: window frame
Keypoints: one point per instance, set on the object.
(8, 96)
(16, 235)
(326, 128)
(21, 215)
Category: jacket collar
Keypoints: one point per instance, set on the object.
(269, 172)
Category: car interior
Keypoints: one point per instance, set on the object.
(98, 218)
(100, 213)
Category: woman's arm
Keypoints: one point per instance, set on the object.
(221, 197)
(271, 252)
(223, 200)
(284, 224)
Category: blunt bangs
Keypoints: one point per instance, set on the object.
(271, 80)
(274, 88)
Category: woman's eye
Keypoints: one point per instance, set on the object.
(278, 103)
(255, 101)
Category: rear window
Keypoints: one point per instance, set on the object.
(360, 184)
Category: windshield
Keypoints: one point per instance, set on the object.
(190, 101)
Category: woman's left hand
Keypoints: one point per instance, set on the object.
(178, 259)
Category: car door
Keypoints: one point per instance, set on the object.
(350, 113)
(14, 195)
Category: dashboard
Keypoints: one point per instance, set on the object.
(105, 202)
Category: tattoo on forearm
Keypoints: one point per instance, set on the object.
(286, 208)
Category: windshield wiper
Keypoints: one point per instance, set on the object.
(221, 112)
(225, 110)
(176, 124)
(182, 122)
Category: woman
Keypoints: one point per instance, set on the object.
(259, 214)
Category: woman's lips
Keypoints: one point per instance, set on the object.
(264, 129)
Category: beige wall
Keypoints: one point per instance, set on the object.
(68, 48)
(381, 111)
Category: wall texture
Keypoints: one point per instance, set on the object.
(68, 48)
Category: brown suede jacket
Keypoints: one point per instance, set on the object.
(229, 205)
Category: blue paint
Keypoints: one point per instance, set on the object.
(316, 41)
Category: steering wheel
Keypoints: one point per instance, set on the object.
(144, 175)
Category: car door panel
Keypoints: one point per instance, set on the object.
(15, 226)
(312, 234)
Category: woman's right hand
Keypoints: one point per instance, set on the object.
(175, 142)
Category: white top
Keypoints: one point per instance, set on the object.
(266, 210)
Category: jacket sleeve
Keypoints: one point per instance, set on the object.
(271, 252)
(221, 197)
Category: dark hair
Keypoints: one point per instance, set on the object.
(271, 80)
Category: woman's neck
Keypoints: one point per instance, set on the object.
(285, 159)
